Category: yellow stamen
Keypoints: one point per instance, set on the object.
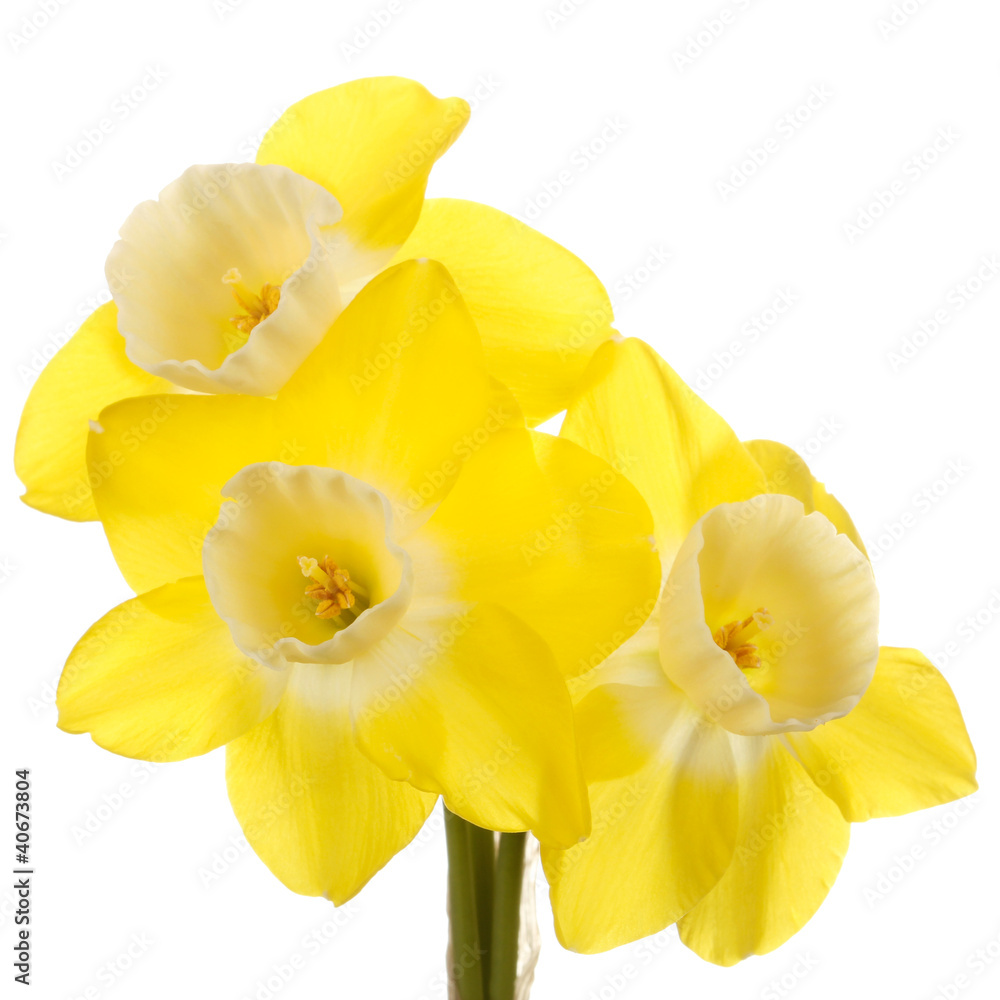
(332, 586)
(746, 656)
(733, 638)
(256, 308)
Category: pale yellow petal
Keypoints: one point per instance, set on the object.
(318, 813)
(160, 678)
(805, 592)
(792, 841)
(372, 143)
(465, 700)
(541, 312)
(637, 414)
(664, 800)
(88, 373)
(231, 280)
(304, 525)
(904, 747)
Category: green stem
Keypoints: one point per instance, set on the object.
(484, 860)
(506, 916)
(467, 947)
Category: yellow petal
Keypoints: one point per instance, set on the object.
(635, 662)
(466, 701)
(787, 473)
(160, 678)
(159, 465)
(664, 799)
(397, 395)
(371, 143)
(792, 841)
(554, 534)
(904, 747)
(636, 413)
(540, 310)
(318, 813)
(87, 374)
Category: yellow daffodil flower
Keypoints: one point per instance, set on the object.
(729, 744)
(229, 280)
(370, 588)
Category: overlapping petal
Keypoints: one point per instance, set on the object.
(635, 412)
(372, 143)
(318, 812)
(465, 700)
(787, 473)
(791, 842)
(541, 312)
(89, 372)
(554, 534)
(904, 747)
(159, 463)
(532, 560)
(664, 799)
(398, 393)
(160, 678)
(397, 396)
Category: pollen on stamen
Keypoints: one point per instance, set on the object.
(256, 308)
(332, 587)
(733, 636)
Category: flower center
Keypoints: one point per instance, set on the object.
(256, 308)
(250, 561)
(733, 638)
(334, 590)
(176, 310)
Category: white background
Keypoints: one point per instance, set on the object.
(820, 378)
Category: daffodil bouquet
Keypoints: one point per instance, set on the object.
(304, 422)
